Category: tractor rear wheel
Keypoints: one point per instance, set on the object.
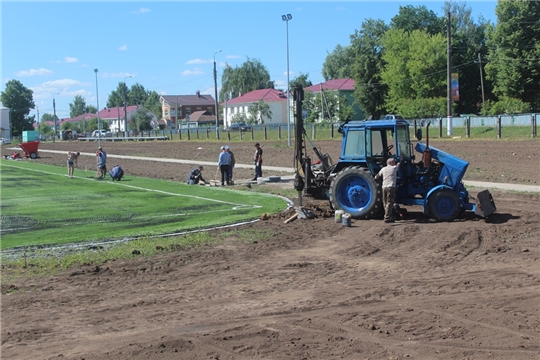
(33, 155)
(444, 205)
(356, 192)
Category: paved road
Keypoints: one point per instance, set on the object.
(479, 184)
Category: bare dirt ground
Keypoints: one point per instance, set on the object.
(415, 289)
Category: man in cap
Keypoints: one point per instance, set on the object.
(223, 164)
(231, 164)
(257, 158)
(195, 176)
(101, 162)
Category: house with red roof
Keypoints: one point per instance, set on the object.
(178, 109)
(115, 117)
(345, 88)
(276, 99)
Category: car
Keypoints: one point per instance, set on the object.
(393, 117)
(239, 127)
(5, 141)
(104, 133)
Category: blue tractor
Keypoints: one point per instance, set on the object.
(434, 182)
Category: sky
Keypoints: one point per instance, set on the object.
(54, 47)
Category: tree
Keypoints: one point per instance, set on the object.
(370, 92)
(258, 111)
(77, 107)
(239, 118)
(152, 103)
(326, 106)
(251, 75)
(91, 109)
(137, 95)
(48, 117)
(410, 18)
(415, 66)
(301, 79)
(141, 120)
(514, 51)
(338, 64)
(19, 100)
(45, 129)
(116, 97)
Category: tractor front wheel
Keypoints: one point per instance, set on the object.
(444, 205)
(356, 192)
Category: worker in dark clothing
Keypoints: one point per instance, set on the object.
(195, 176)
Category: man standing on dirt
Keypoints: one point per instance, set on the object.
(72, 162)
(195, 176)
(389, 175)
(257, 158)
(223, 164)
(102, 162)
(231, 164)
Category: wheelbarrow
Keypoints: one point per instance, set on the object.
(30, 149)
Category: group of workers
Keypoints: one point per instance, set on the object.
(226, 163)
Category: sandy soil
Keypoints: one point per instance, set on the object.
(415, 289)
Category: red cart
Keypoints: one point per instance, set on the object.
(30, 149)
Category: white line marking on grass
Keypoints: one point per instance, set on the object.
(236, 205)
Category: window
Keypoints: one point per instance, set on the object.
(402, 137)
(188, 111)
(210, 110)
(198, 108)
(355, 144)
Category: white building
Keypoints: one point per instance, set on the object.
(275, 99)
(5, 128)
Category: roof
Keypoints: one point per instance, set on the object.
(338, 84)
(198, 116)
(266, 95)
(117, 112)
(189, 100)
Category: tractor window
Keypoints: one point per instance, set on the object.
(377, 146)
(355, 144)
(402, 140)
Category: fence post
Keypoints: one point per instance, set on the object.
(252, 138)
(468, 127)
(180, 134)
(265, 134)
(440, 127)
(217, 133)
(229, 136)
(499, 127)
(313, 131)
(188, 134)
(197, 132)
(533, 125)
(331, 130)
(279, 132)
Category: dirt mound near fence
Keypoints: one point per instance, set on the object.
(415, 289)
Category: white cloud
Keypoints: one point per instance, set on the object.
(233, 56)
(35, 72)
(62, 87)
(198, 61)
(123, 47)
(196, 71)
(141, 11)
(290, 73)
(68, 59)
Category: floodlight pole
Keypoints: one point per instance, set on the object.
(286, 18)
(98, 119)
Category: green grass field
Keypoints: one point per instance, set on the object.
(40, 205)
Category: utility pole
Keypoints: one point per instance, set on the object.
(125, 107)
(449, 78)
(481, 78)
(98, 119)
(215, 93)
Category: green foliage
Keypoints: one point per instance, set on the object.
(141, 120)
(412, 18)
(77, 107)
(91, 109)
(514, 51)
(423, 108)
(415, 64)
(251, 75)
(506, 105)
(258, 111)
(301, 79)
(19, 99)
(116, 97)
(137, 95)
(239, 118)
(45, 129)
(370, 92)
(48, 117)
(338, 64)
(326, 106)
(152, 103)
